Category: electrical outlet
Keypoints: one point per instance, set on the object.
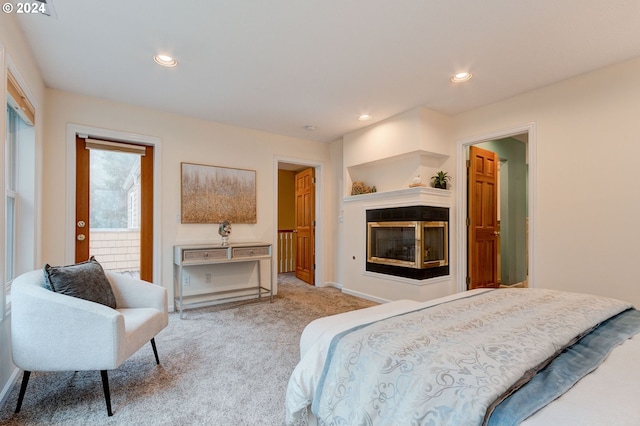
(207, 278)
(186, 279)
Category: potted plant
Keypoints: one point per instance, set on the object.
(440, 179)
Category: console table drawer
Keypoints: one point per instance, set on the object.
(204, 255)
(251, 251)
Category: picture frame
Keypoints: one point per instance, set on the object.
(213, 194)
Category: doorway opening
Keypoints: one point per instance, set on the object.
(515, 149)
(112, 194)
(140, 209)
(298, 221)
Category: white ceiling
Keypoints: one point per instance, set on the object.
(278, 65)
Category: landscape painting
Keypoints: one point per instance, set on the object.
(212, 194)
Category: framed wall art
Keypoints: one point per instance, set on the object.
(213, 194)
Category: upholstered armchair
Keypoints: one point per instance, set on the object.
(57, 332)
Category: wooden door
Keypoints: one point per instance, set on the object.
(82, 201)
(83, 206)
(483, 231)
(305, 222)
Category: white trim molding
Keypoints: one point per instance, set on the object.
(365, 296)
(461, 190)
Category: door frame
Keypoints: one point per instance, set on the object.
(462, 204)
(319, 209)
(99, 133)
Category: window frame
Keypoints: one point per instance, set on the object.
(20, 182)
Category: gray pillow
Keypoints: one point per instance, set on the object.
(85, 280)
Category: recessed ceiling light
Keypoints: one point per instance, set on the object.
(461, 76)
(165, 61)
(364, 117)
(310, 128)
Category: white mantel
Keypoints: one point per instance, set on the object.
(416, 194)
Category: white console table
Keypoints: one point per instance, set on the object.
(213, 254)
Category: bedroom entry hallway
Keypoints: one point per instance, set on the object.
(506, 161)
(297, 219)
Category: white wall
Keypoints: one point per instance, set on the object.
(588, 198)
(334, 245)
(183, 139)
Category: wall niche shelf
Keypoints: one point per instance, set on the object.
(395, 172)
(433, 159)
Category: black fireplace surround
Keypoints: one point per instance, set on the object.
(411, 254)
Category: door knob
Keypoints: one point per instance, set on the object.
(496, 233)
(81, 237)
(81, 224)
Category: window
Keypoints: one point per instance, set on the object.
(11, 199)
(19, 187)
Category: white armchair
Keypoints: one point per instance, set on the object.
(56, 332)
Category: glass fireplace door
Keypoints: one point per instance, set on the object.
(435, 244)
(393, 243)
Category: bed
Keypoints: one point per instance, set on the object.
(496, 357)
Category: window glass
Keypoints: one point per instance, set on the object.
(10, 236)
(10, 155)
(10, 204)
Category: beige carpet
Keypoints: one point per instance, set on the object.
(222, 365)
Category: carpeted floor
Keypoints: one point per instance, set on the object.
(222, 365)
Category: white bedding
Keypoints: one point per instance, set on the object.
(608, 396)
(604, 397)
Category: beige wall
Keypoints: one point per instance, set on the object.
(588, 198)
(14, 52)
(183, 139)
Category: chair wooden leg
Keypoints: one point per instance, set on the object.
(23, 389)
(105, 387)
(155, 351)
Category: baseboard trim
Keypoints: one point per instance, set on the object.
(8, 386)
(331, 284)
(365, 296)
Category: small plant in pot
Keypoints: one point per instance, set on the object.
(440, 179)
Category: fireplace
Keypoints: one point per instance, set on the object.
(410, 242)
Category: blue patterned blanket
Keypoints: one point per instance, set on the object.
(447, 364)
(565, 370)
